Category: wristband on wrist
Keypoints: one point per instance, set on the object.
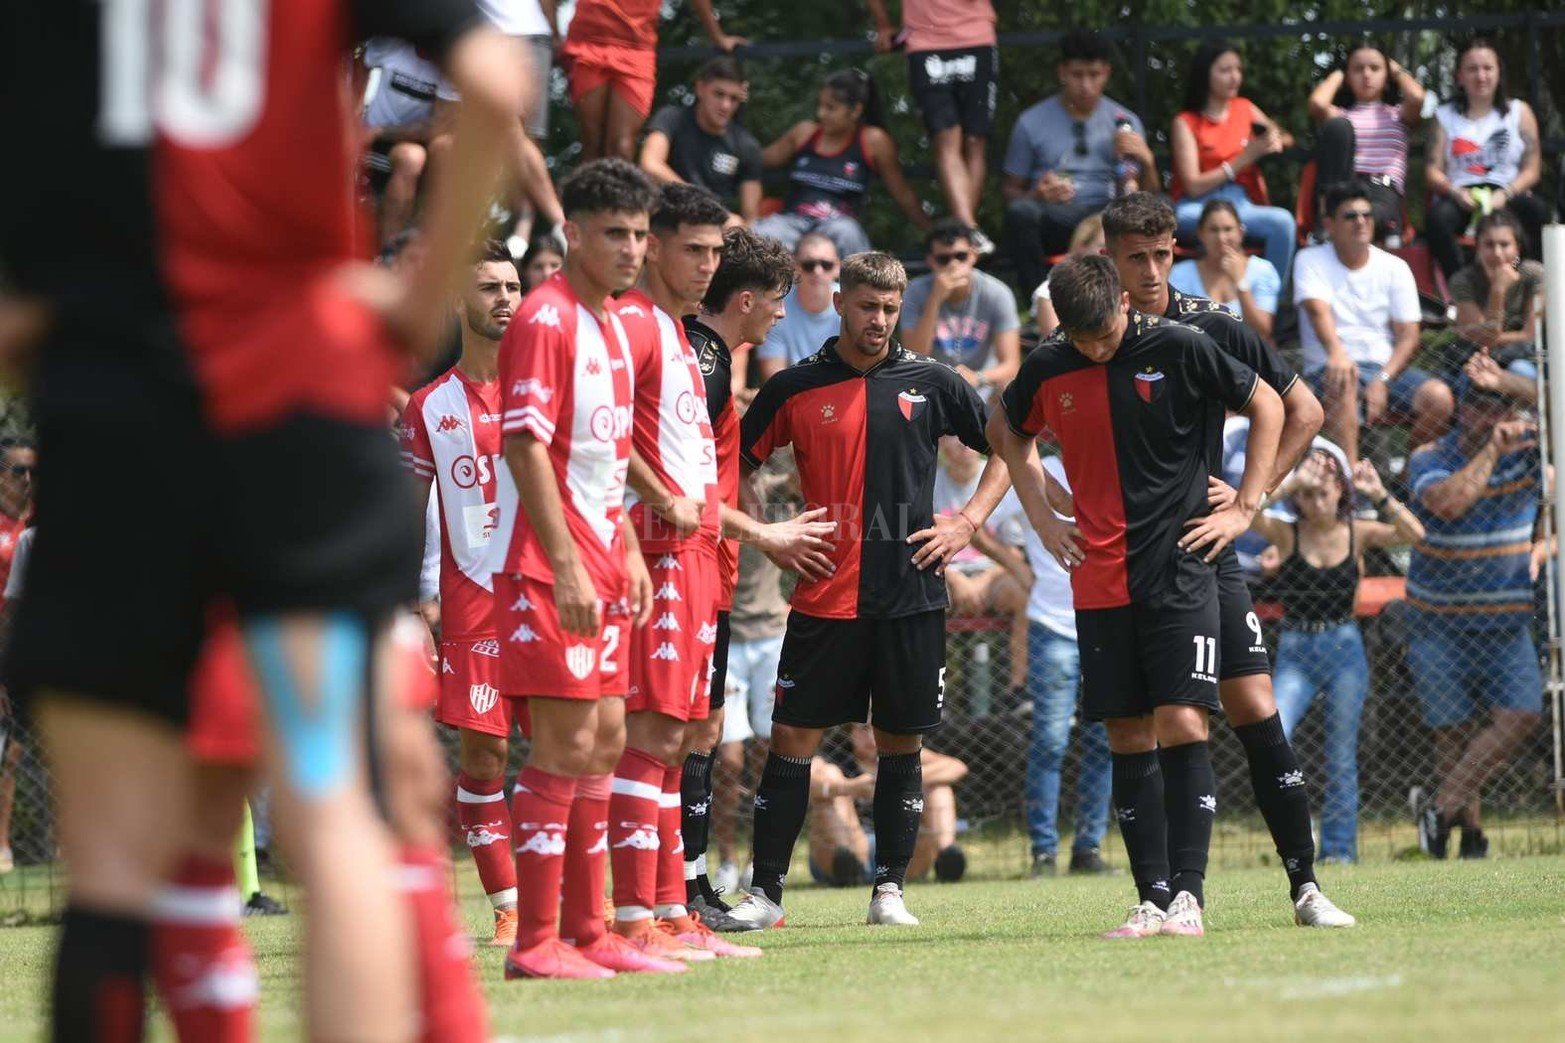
(1228, 170)
(1384, 377)
(968, 518)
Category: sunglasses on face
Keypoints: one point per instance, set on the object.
(1356, 215)
(941, 260)
(1079, 129)
(820, 266)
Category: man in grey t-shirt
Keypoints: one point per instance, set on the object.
(809, 317)
(960, 315)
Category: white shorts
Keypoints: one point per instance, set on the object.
(752, 680)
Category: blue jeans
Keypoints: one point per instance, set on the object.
(1053, 678)
(1334, 663)
(1273, 225)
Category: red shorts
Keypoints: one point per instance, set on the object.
(627, 71)
(469, 695)
(671, 657)
(537, 657)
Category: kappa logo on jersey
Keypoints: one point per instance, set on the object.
(543, 842)
(548, 315)
(482, 835)
(667, 592)
(521, 604)
(666, 652)
(666, 622)
(488, 648)
(668, 563)
(524, 634)
(1149, 384)
(707, 635)
(601, 845)
(579, 660)
(482, 697)
(640, 838)
(593, 369)
(446, 667)
(911, 403)
(450, 423)
(533, 387)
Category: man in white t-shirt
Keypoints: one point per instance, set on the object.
(1358, 320)
(1053, 679)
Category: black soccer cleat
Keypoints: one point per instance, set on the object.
(1089, 861)
(1473, 844)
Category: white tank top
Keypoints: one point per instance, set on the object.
(1483, 151)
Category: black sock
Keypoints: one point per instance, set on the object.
(1138, 805)
(695, 816)
(100, 978)
(781, 802)
(1279, 790)
(899, 804)
(1190, 797)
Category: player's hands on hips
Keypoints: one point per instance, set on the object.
(942, 541)
(639, 590)
(1219, 494)
(1059, 539)
(1217, 530)
(799, 544)
(576, 599)
(683, 513)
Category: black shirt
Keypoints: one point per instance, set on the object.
(718, 163)
(1134, 433)
(867, 446)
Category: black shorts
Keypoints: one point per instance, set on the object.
(956, 88)
(1157, 652)
(720, 661)
(841, 671)
(144, 517)
(1241, 644)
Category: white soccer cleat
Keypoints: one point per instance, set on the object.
(887, 907)
(1184, 917)
(1314, 909)
(755, 912)
(727, 878)
(1143, 921)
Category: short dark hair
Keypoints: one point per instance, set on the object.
(1342, 191)
(750, 262)
(723, 67)
(1086, 293)
(492, 251)
(1084, 45)
(608, 186)
(874, 269)
(946, 231)
(11, 442)
(1198, 79)
(685, 204)
(543, 244)
(1139, 213)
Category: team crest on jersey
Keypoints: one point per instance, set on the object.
(911, 402)
(548, 315)
(450, 423)
(1067, 402)
(482, 697)
(489, 648)
(1149, 384)
(579, 660)
(828, 414)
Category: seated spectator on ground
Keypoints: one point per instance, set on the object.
(1485, 154)
(1320, 649)
(1217, 141)
(831, 161)
(953, 68)
(1358, 321)
(1365, 110)
(1470, 585)
(1497, 297)
(544, 258)
(1086, 239)
(1245, 285)
(809, 315)
(705, 144)
(399, 108)
(1068, 156)
(962, 316)
(842, 853)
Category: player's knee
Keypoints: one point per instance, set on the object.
(1180, 725)
(1249, 699)
(1131, 734)
(407, 159)
(791, 741)
(482, 756)
(889, 743)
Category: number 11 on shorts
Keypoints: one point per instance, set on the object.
(1205, 655)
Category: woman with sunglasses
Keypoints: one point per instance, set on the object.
(832, 159)
(1218, 141)
(1247, 286)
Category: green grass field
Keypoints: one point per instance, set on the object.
(1452, 951)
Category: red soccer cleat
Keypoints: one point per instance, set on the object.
(552, 959)
(697, 935)
(618, 953)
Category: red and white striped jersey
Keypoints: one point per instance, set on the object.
(672, 432)
(565, 379)
(450, 434)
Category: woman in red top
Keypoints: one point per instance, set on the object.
(1218, 140)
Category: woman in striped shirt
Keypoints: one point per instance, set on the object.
(1365, 110)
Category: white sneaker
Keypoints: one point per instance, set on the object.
(1314, 909)
(982, 245)
(1184, 917)
(887, 907)
(727, 878)
(755, 912)
(1143, 921)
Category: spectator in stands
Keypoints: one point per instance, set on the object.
(1218, 140)
(17, 460)
(544, 258)
(954, 70)
(399, 106)
(1068, 156)
(1321, 649)
(705, 144)
(1086, 239)
(962, 316)
(1358, 320)
(1365, 110)
(1496, 298)
(1053, 680)
(831, 161)
(1246, 285)
(842, 854)
(1484, 153)
(810, 318)
(1470, 585)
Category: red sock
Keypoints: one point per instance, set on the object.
(586, 861)
(451, 1007)
(486, 822)
(539, 815)
(671, 846)
(201, 965)
(633, 834)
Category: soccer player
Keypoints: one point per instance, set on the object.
(1139, 233)
(224, 334)
(865, 643)
(1133, 400)
(570, 581)
(450, 435)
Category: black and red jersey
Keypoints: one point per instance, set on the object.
(1133, 435)
(717, 372)
(866, 445)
